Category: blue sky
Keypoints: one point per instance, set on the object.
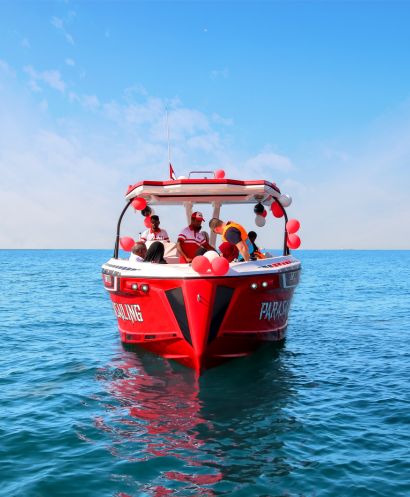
(312, 95)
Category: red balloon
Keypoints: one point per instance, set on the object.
(292, 226)
(293, 241)
(147, 221)
(220, 266)
(126, 243)
(201, 264)
(276, 209)
(139, 203)
(264, 213)
(219, 174)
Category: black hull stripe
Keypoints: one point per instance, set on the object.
(222, 300)
(176, 301)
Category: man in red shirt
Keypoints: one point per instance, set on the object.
(191, 238)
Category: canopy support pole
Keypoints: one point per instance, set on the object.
(216, 213)
(117, 239)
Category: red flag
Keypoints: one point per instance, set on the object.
(172, 172)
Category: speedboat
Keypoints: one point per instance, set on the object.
(202, 318)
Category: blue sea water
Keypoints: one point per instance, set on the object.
(328, 414)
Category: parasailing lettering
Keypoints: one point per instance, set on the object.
(128, 312)
(274, 310)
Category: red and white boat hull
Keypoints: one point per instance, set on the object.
(202, 321)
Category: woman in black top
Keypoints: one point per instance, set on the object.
(155, 253)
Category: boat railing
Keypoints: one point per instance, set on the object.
(202, 172)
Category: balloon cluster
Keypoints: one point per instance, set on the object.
(284, 200)
(293, 240)
(278, 210)
(210, 262)
(140, 204)
(261, 213)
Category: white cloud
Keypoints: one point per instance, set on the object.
(69, 38)
(60, 25)
(357, 196)
(6, 69)
(90, 101)
(131, 91)
(43, 105)
(57, 22)
(216, 118)
(51, 77)
(220, 73)
(268, 162)
(69, 62)
(69, 177)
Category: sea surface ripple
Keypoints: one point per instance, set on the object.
(328, 414)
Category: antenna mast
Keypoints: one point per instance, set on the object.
(169, 147)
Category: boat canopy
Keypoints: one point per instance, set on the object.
(205, 191)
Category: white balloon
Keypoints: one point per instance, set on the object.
(211, 255)
(260, 221)
(181, 177)
(285, 200)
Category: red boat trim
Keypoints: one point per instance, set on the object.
(203, 182)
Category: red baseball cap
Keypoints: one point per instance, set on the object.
(197, 216)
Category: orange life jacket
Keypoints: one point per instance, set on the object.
(232, 224)
(244, 237)
(243, 232)
(258, 254)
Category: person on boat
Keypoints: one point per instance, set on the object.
(229, 251)
(252, 237)
(234, 233)
(206, 235)
(191, 238)
(155, 232)
(138, 252)
(155, 253)
(201, 251)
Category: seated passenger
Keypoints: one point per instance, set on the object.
(138, 252)
(229, 251)
(201, 251)
(252, 237)
(191, 238)
(155, 232)
(206, 236)
(155, 253)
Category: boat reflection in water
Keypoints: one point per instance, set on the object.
(178, 434)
